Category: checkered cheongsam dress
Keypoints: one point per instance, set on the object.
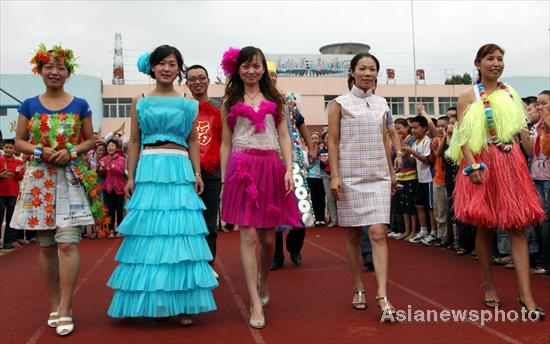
(363, 166)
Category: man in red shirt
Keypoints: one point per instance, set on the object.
(209, 135)
(11, 172)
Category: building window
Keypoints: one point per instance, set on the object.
(117, 107)
(445, 103)
(428, 104)
(3, 111)
(397, 105)
(328, 99)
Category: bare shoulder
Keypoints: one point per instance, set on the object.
(333, 105)
(467, 96)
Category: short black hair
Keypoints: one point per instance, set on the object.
(452, 108)
(8, 142)
(196, 67)
(113, 141)
(401, 121)
(160, 53)
(445, 118)
(420, 120)
(530, 100)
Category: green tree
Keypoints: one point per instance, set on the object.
(465, 79)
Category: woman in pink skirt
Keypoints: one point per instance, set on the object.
(257, 184)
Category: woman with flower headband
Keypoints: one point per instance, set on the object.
(495, 189)
(163, 270)
(258, 185)
(55, 128)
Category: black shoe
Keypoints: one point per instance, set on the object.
(8, 246)
(437, 243)
(296, 258)
(276, 265)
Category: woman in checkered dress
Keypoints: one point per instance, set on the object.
(362, 175)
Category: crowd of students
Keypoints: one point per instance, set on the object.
(422, 208)
(365, 171)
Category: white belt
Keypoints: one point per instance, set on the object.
(164, 151)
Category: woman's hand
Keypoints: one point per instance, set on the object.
(477, 176)
(199, 185)
(47, 152)
(336, 187)
(60, 158)
(129, 188)
(289, 183)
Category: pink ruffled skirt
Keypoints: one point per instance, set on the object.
(254, 191)
(507, 198)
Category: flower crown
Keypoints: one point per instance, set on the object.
(43, 55)
(229, 61)
(144, 63)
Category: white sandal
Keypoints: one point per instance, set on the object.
(53, 322)
(63, 330)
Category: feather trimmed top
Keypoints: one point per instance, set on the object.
(509, 117)
(256, 117)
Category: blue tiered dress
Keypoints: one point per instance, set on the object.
(163, 268)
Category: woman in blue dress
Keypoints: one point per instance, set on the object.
(163, 270)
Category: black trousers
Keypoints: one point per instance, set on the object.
(7, 206)
(115, 206)
(294, 243)
(317, 197)
(467, 236)
(211, 198)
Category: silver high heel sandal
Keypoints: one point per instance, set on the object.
(258, 324)
(388, 311)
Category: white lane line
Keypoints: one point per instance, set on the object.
(38, 333)
(426, 299)
(258, 339)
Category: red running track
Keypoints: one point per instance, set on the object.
(309, 304)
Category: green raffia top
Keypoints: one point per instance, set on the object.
(509, 118)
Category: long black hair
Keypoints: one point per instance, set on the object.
(234, 91)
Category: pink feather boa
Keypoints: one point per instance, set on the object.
(256, 117)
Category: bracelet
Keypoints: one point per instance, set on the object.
(473, 167)
(72, 152)
(38, 152)
(400, 153)
(197, 174)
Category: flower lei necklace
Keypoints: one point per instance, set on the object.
(505, 147)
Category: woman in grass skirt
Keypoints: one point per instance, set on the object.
(163, 270)
(493, 188)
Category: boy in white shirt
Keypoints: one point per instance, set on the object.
(421, 151)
